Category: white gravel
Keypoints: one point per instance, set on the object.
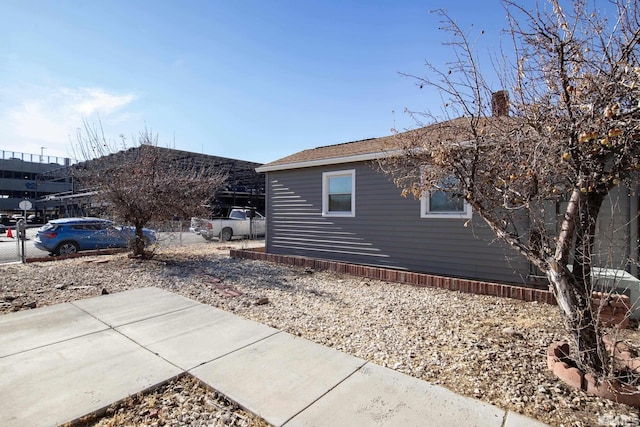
(485, 347)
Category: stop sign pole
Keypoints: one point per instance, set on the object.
(21, 228)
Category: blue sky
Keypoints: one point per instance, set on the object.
(251, 80)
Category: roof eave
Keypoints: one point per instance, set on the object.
(329, 161)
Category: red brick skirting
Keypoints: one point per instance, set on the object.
(412, 278)
(612, 310)
(560, 364)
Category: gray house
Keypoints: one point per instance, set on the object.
(332, 203)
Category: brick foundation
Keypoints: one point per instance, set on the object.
(399, 276)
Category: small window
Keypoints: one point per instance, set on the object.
(338, 193)
(441, 204)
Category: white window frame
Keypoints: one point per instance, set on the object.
(426, 213)
(325, 193)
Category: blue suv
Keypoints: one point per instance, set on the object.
(69, 235)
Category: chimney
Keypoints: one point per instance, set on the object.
(500, 103)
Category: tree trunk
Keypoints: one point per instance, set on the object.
(574, 300)
(138, 242)
(573, 289)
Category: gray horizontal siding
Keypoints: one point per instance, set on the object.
(613, 234)
(387, 230)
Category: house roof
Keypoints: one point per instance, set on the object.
(370, 149)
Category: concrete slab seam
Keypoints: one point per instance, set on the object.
(183, 373)
(52, 343)
(134, 321)
(326, 393)
(149, 351)
(131, 339)
(56, 342)
(231, 352)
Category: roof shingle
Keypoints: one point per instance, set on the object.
(452, 130)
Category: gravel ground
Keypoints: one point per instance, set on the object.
(489, 348)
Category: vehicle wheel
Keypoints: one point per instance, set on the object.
(226, 234)
(67, 248)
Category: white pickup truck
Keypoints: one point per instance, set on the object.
(239, 223)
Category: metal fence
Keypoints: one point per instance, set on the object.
(15, 249)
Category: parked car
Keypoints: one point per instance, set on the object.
(241, 222)
(3, 228)
(69, 235)
(35, 219)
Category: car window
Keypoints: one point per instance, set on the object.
(97, 226)
(237, 215)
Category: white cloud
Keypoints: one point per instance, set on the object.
(97, 101)
(51, 117)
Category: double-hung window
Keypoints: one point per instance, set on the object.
(338, 193)
(438, 203)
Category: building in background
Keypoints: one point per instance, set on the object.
(29, 177)
(48, 183)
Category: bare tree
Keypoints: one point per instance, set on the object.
(570, 133)
(143, 183)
